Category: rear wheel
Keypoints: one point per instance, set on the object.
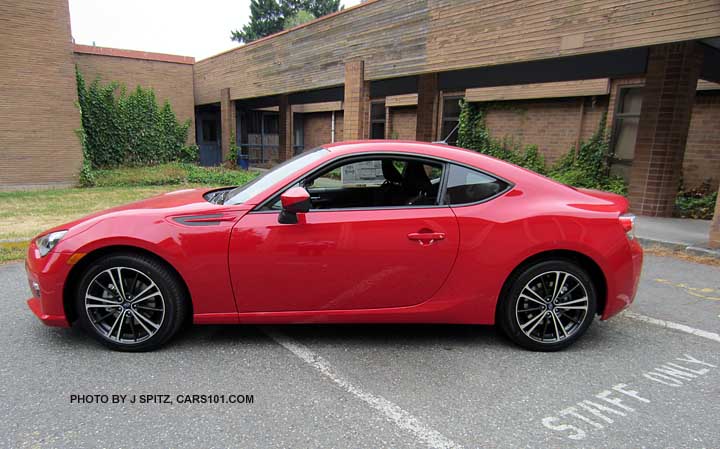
(130, 302)
(549, 305)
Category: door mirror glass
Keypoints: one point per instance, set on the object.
(294, 201)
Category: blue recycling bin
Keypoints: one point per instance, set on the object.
(244, 161)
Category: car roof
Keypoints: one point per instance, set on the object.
(438, 150)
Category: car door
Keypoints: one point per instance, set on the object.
(342, 259)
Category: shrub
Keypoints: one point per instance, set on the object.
(124, 129)
(696, 203)
(171, 174)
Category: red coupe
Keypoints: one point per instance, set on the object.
(357, 232)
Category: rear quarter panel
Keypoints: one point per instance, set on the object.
(499, 235)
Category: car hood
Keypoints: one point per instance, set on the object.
(171, 203)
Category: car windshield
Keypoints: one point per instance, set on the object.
(239, 195)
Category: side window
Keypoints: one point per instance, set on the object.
(469, 186)
(376, 182)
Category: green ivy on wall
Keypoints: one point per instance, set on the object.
(129, 129)
(587, 167)
(474, 135)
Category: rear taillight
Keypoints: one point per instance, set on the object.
(628, 223)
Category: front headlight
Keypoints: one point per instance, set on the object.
(47, 242)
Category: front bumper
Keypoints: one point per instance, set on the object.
(49, 320)
(49, 273)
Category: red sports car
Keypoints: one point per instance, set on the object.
(357, 232)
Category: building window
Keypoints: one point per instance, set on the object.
(625, 128)
(209, 131)
(377, 119)
(450, 119)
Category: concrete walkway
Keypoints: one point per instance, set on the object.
(676, 233)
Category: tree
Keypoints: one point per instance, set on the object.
(270, 16)
(298, 18)
(266, 18)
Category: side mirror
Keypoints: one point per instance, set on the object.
(294, 201)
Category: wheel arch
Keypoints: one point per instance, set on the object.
(583, 260)
(76, 272)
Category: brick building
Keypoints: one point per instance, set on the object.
(396, 69)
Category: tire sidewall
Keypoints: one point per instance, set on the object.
(162, 277)
(509, 322)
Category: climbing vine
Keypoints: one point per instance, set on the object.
(588, 166)
(129, 129)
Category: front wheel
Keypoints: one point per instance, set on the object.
(549, 305)
(130, 302)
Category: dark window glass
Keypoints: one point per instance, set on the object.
(377, 120)
(377, 111)
(272, 125)
(377, 131)
(469, 186)
(450, 119)
(209, 131)
(451, 107)
(627, 118)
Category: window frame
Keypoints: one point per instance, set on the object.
(331, 164)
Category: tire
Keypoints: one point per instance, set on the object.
(529, 320)
(131, 302)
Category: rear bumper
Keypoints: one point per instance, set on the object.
(623, 284)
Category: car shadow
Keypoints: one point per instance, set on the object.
(445, 336)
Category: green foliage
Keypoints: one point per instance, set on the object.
(696, 203)
(474, 135)
(271, 16)
(128, 129)
(189, 154)
(86, 178)
(296, 19)
(589, 167)
(234, 153)
(171, 174)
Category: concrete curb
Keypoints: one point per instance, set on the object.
(679, 246)
(14, 243)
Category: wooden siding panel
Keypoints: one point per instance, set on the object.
(540, 90)
(410, 37)
(401, 100)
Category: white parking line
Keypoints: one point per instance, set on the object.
(670, 325)
(391, 411)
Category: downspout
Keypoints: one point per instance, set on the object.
(332, 128)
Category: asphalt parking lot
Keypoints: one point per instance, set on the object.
(627, 383)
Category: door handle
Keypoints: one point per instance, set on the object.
(426, 238)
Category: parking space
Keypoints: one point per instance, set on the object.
(627, 383)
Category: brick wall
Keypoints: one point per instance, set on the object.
(668, 98)
(38, 117)
(552, 124)
(402, 123)
(172, 81)
(317, 128)
(356, 100)
(702, 152)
